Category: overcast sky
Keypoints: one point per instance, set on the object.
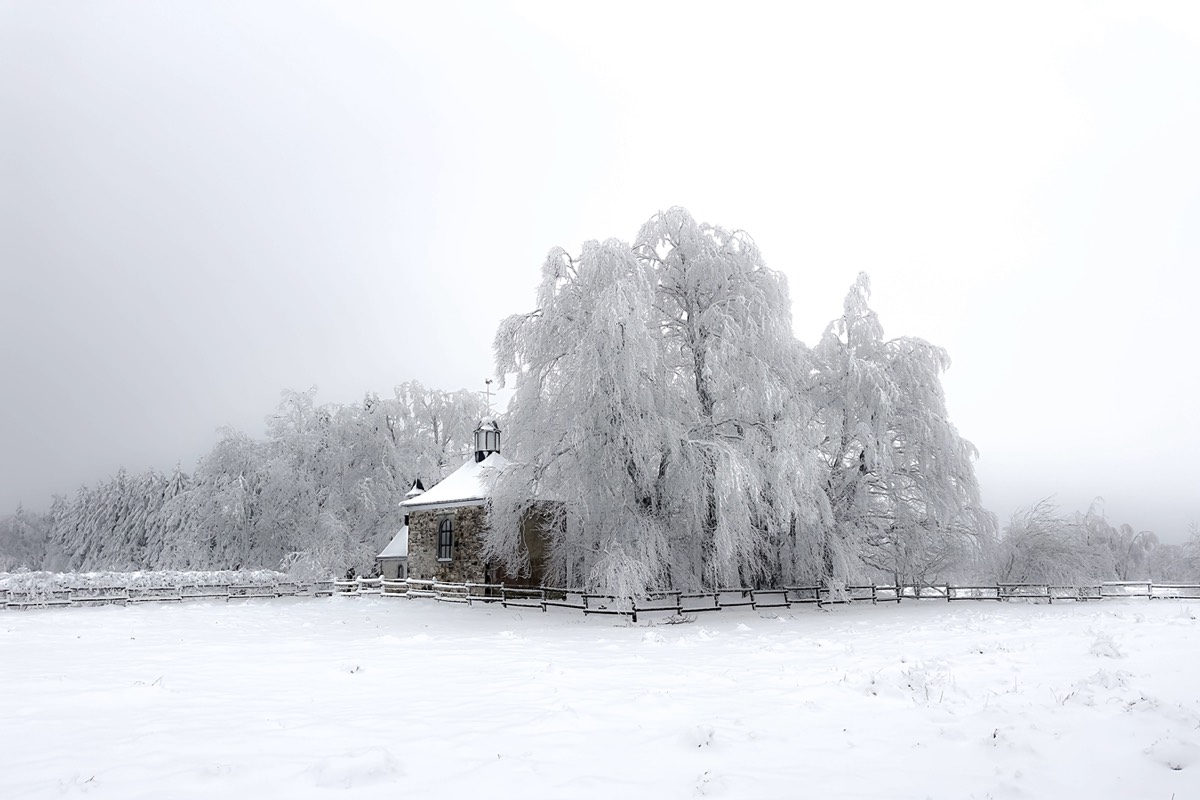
(204, 203)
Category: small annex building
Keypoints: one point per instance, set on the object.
(445, 525)
(392, 561)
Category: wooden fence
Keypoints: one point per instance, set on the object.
(677, 603)
(19, 599)
(543, 598)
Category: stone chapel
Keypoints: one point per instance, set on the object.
(443, 527)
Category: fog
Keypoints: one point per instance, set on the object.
(203, 204)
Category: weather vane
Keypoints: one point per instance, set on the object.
(487, 393)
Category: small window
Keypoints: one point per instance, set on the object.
(445, 539)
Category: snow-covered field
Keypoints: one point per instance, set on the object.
(399, 698)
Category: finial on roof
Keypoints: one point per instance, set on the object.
(417, 488)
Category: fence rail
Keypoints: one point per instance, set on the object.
(678, 603)
(20, 599)
(544, 598)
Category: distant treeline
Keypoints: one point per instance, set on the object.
(319, 493)
(1043, 546)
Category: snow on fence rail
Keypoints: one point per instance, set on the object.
(359, 586)
(45, 593)
(676, 603)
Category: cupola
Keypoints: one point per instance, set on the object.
(487, 439)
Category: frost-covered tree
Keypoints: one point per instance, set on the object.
(656, 414)
(1041, 546)
(1168, 563)
(66, 531)
(589, 435)
(433, 428)
(216, 523)
(23, 539)
(170, 520)
(742, 481)
(900, 482)
(320, 492)
(1191, 553)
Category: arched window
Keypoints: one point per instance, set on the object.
(445, 539)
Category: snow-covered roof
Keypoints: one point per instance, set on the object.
(468, 485)
(398, 547)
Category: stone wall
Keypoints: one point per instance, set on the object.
(466, 564)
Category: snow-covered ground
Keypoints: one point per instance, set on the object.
(398, 698)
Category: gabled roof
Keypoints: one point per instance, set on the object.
(398, 547)
(469, 485)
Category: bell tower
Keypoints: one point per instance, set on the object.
(487, 439)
